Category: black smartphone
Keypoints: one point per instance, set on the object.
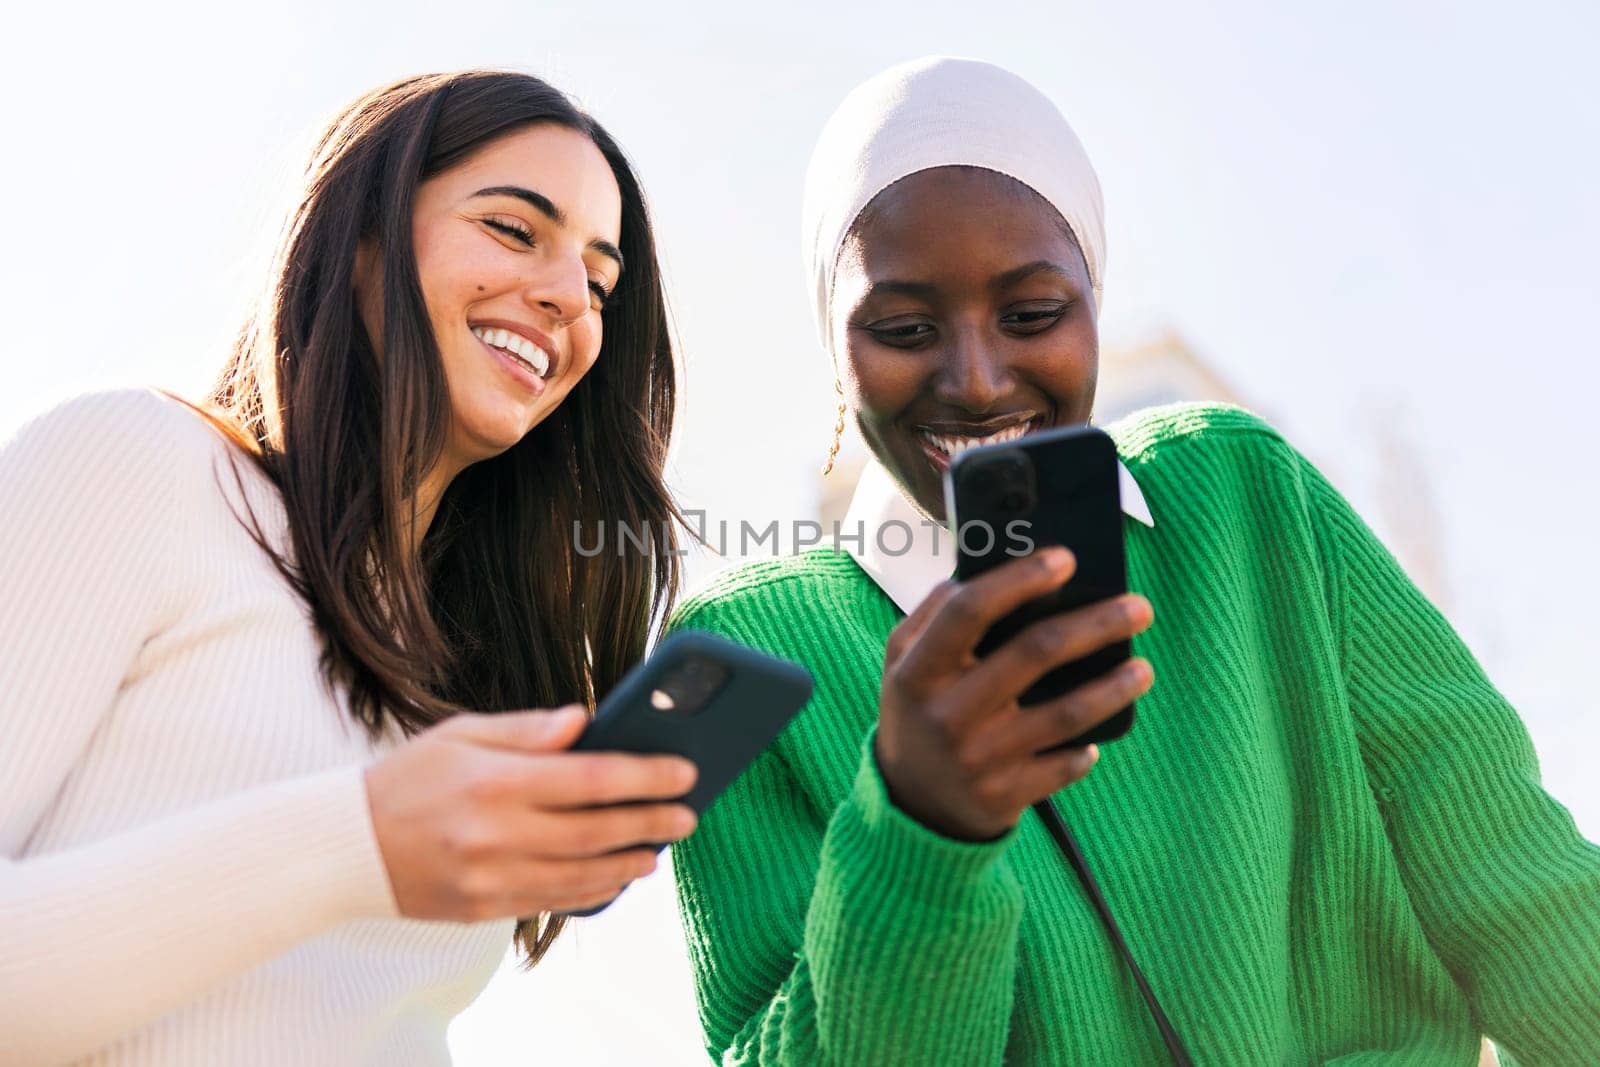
(1054, 487)
(703, 697)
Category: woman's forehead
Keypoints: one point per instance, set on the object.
(921, 221)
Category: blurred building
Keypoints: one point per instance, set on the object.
(1163, 370)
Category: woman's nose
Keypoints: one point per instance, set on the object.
(561, 290)
(972, 373)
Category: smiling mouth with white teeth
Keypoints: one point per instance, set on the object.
(517, 348)
(943, 447)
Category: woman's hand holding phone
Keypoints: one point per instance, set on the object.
(956, 750)
(489, 816)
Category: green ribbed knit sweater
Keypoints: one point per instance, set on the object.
(1325, 839)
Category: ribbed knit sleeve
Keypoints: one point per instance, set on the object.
(93, 558)
(845, 936)
(1505, 886)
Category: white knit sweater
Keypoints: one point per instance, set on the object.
(188, 872)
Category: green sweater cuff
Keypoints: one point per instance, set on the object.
(921, 864)
(911, 939)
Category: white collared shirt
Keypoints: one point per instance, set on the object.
(888, 520)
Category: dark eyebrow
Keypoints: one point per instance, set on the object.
(542, 204)
(538, 201)
(927, 291)
(917, 290)
(606, 248)
(1027, 270)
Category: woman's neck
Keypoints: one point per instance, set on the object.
(425, 505)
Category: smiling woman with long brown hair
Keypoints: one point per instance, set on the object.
(248, 646)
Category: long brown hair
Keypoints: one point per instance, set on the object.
(498, 610)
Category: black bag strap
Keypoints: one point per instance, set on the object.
(1080, 866)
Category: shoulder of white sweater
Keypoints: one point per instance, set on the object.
(129, 425)
(116, 438)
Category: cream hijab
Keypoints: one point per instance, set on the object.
(937, 112)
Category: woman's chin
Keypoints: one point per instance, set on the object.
(921, 480)
(493, 432)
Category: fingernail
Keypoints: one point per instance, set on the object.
(1094, 754)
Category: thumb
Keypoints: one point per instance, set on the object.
(529, 731)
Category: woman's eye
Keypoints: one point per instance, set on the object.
(1033, 319)
(600, 294)
(902, 334)
(514, 230)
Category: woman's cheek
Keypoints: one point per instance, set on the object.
(879, 384)
(588, 343)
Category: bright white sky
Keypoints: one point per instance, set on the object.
(1355, 211)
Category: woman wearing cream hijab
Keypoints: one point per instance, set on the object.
(1325, 839)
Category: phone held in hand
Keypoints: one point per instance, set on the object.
(1055, 487)
(700, 696)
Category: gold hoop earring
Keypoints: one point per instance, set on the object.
(838, 429)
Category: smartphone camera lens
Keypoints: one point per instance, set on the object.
(689, 687)
(1003, 484)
